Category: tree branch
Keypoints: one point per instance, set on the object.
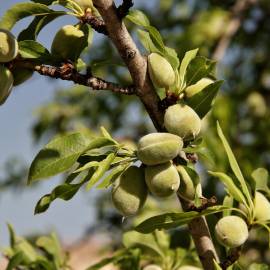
(133, 59)
(123, 9)
(232, 27)
(67, 72)
(137, 66)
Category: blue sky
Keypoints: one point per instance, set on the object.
(69, 219)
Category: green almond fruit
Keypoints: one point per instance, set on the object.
(6, 83)
(130, 191)
(162, 180)
(85, 4)
(152, 267)
(231, 231)
(68, 43)
(21, 75)
(188, 267)
(9, 47)
(197, 87)
(262, 207)
(158, 148)
(187, 189)
(160, 70)
(183, 121)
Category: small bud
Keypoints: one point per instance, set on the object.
(152, 267)
(68, 43)
(8, 46)
(130, 191)
(197, 87)
(231, 231)
(262, 207)
(157, 148)
(160, 71)
(6, 83)
(183, 121)
(162, 180)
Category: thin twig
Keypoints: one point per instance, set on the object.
(231, 258)
(67, 72)
(96, 23)
(232, 27)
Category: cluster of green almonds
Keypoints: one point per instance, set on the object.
(8, 78)
(158, 174)
(8, 51)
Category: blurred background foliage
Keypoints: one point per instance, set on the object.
(234, 33)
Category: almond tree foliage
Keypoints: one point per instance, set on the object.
(166, 80)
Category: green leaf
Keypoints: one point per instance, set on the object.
(31, 49)
(258, 266)
(44, 2)
(156, 38)
(232, 188)
(22, 10)
(146, 242)
(235, 167)
(174, 220)
(15, 261)
(58, 156)
(216, 265)
(184, 64)
(87, 166)
(38, 23)
(200, 67)
(228, 201)
(104, 165)
(65, 192)
(138, 17)
(260, 177)
(202, 101)
(112, 175)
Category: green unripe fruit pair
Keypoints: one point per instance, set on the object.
(187, 187)
(6, 83)
(162, 180)
(8, 46)
(152, 267)
(231, 231)
(68, 43)
(160, 70)
(129, 191)
(262, 207)
(183, 121)
(197, 87)
(158, 148)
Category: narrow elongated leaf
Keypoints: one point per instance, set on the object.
(104, 165)
(38, 23)
(58, 156)
(232, 188)
(15, 261)
(31, 49)
(22, 10)
(65, 192)
(174, 220)
(112, 175)
(235, 167)
(202, 101)
(138, 17)
(184, 64)
(200, 67)
(216, 265)
(87, 166)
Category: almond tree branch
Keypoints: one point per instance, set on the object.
(232, 27)
(137, 66)
(133, 59)
(69, 73)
